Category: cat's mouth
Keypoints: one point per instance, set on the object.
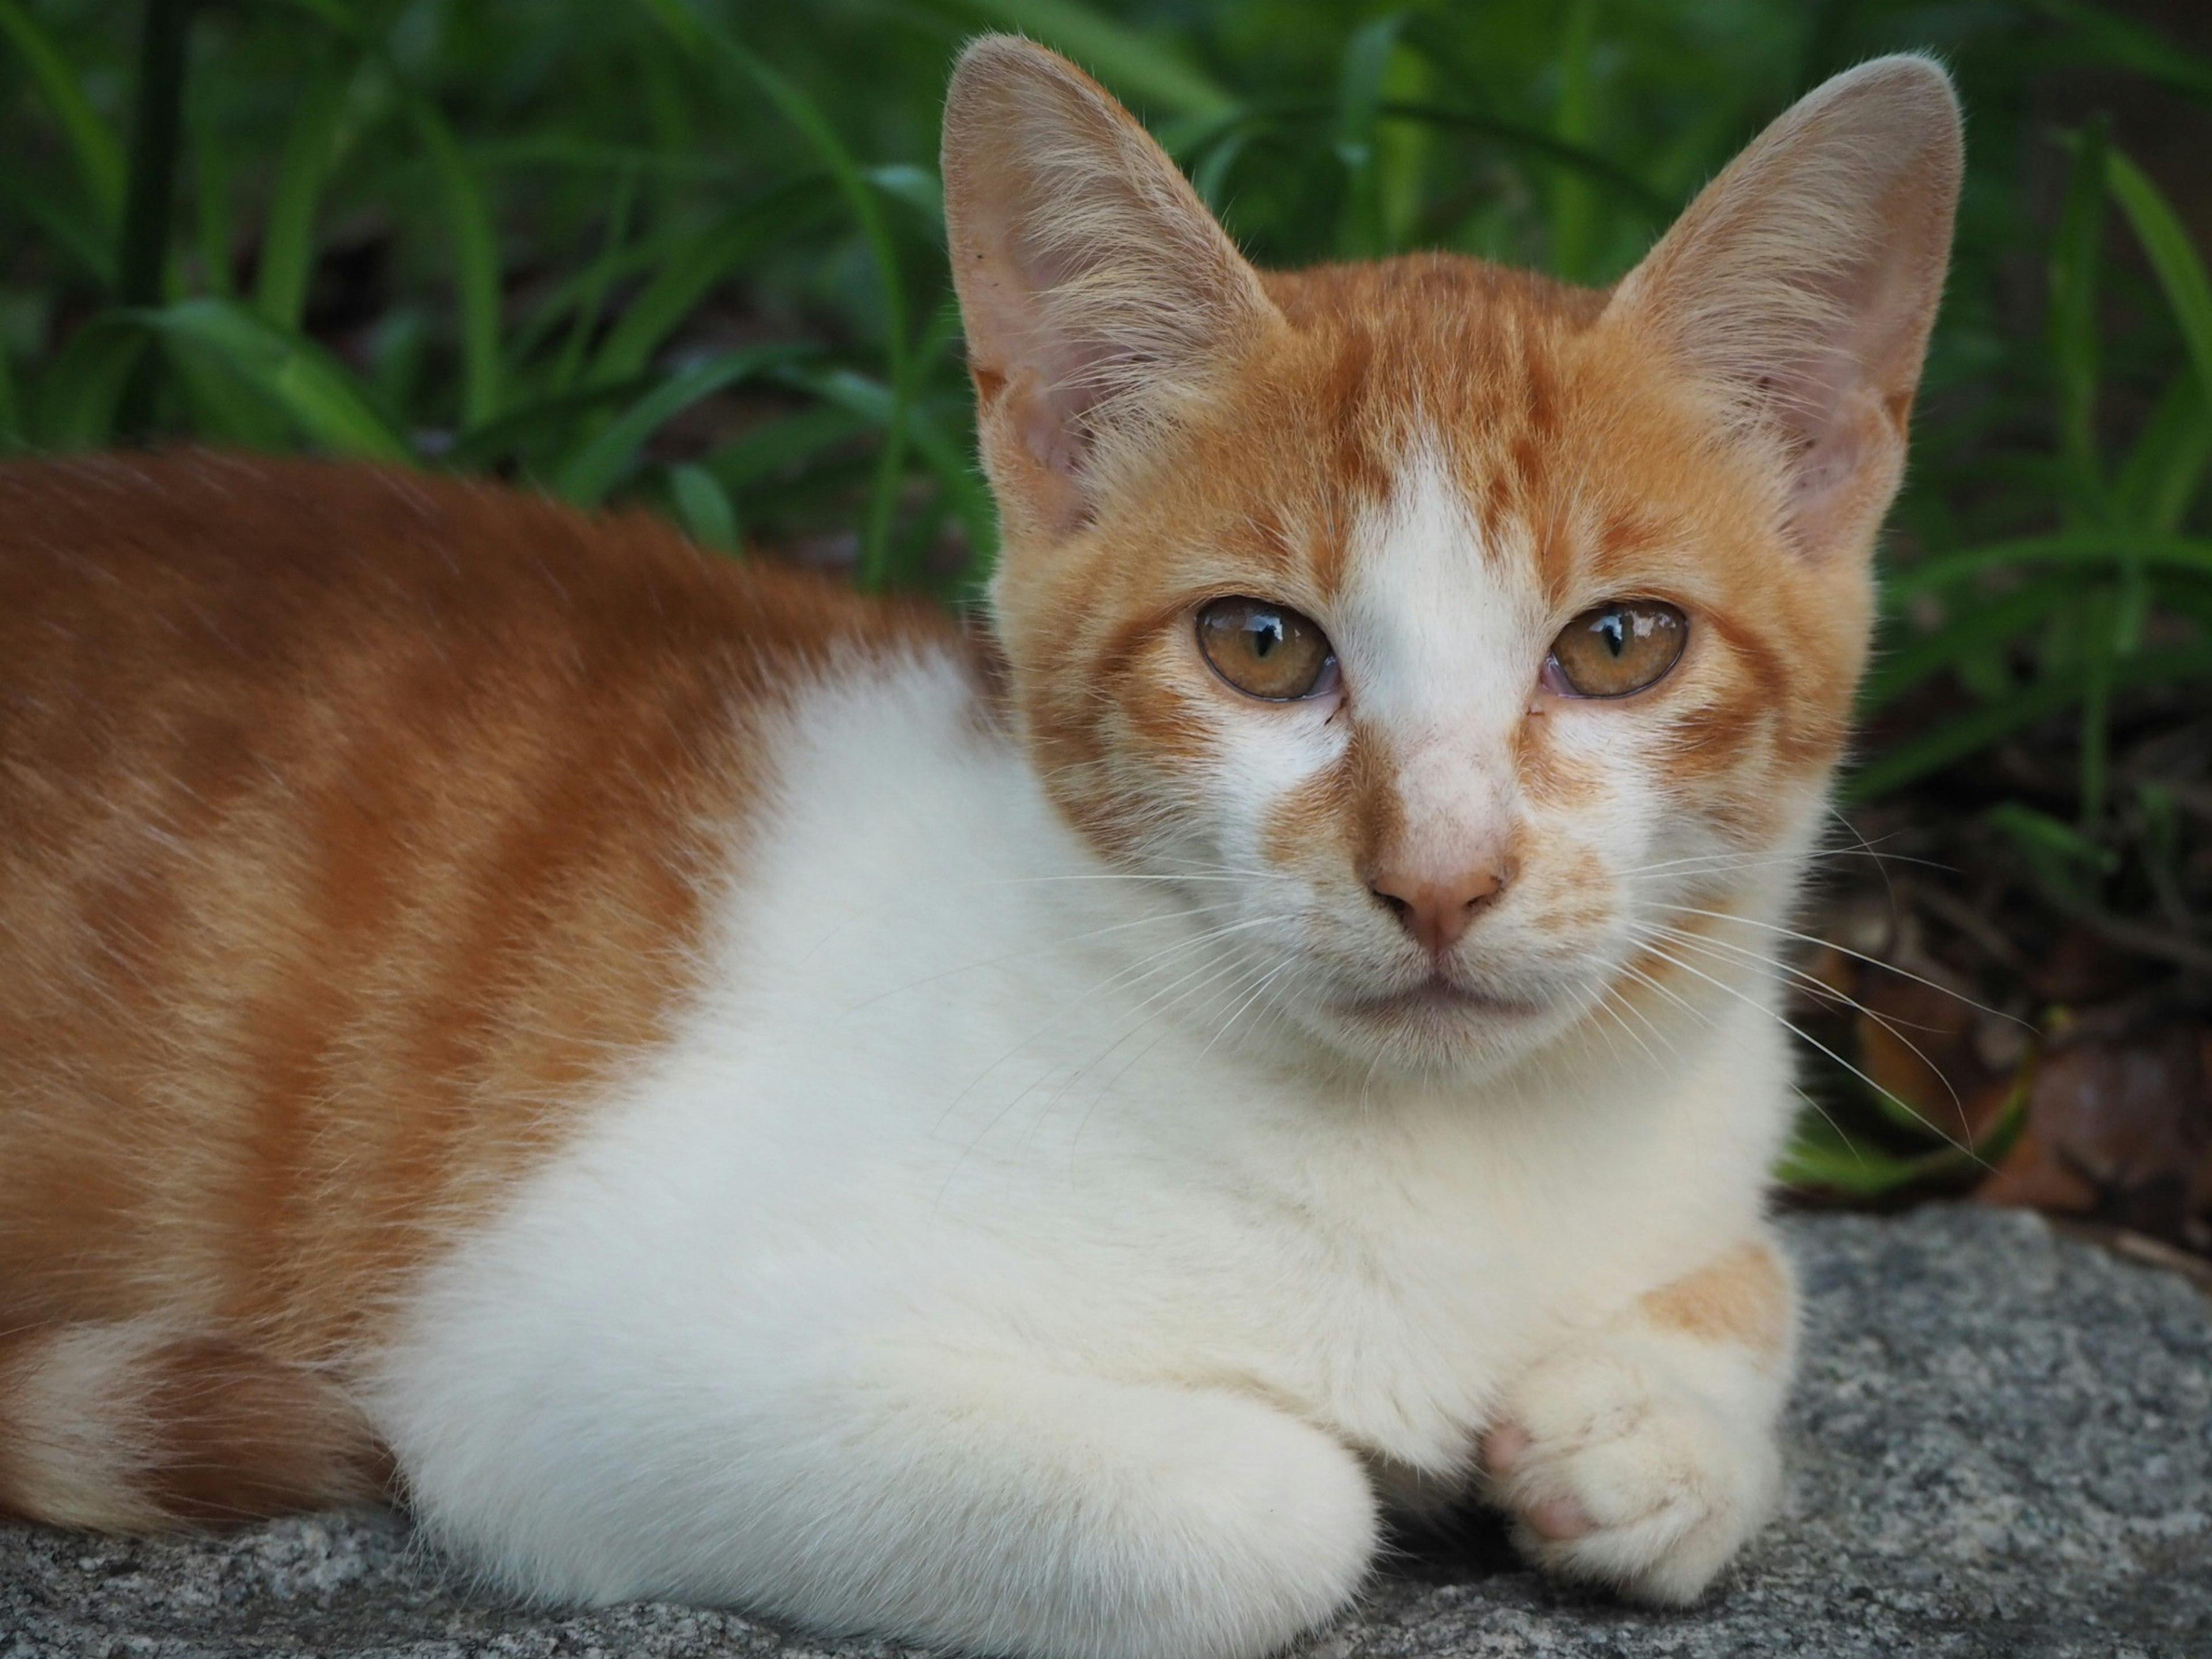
(1437, 996)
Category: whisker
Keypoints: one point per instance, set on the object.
(1604, 1005)
(1860, 955)
(1715, 946)
(1938, 1130)
(1236, 1013)
(1829, 1118)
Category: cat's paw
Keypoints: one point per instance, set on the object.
(1637, 1459)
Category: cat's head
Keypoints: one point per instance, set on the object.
(1448, 632)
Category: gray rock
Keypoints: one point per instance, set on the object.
(2002, 1446)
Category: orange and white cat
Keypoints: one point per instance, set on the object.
(711, 1087)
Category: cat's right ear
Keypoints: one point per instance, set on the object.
(1800, 287)
(1099, 295)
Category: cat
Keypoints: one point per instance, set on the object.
(707, 1086)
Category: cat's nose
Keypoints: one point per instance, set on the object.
(1438, 910)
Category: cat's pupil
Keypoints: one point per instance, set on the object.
(1266, 635)
(1614, 630)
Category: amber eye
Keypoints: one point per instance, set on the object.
(1615, 648)
(1266, 650)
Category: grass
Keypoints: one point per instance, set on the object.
(689, 256)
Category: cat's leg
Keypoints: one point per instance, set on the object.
(1642, 1453)
(135, 1426)
(983, 1507)
(1105, 1521)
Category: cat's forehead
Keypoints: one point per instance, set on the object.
(1463, 434)
(1449, 419)
(1438, 348)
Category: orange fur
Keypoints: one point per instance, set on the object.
(351, 839)
(1743, 1296)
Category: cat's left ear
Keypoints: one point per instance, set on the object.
(1799, 289)
(1100, 298)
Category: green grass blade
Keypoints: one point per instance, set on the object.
(1359, 88)
(1367, 58)
(1532, 143)
(83, 388)
(594, 470)
(143, 265)
(2180, 272)
(1979, 625)
(677, 288)
(212, 226)
(526, 425)
(779, 445)
(222, 407)
(1135, 62)
(2074, 262)
(319, 393)
(1823, 1157)
(288, 241)
(1541, 146)
(98, 151)
(2165, 469)
(561, 301)
(333, 14)
(66, 225)
(592, 296)
(2125, 43)
(916, 187)
(493, 155)
(704, 508)
(947, 457)
(2104, 550)
(846, 388)
(2046, 699)
(1574, 209)
(13, 434)
(2093, 749)
(2065, 860)
(738, 63)
(475, 267)
(1215, 161)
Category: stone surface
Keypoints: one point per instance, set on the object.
(2002, 1446)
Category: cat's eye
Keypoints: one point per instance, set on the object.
(1615, 648)
(1267, 650)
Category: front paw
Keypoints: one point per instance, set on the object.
(1637, 1458)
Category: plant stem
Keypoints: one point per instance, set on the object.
(156, 134)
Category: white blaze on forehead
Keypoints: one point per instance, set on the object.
(1440, 638)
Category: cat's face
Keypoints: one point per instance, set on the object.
(1452, 638)
(1446, 664)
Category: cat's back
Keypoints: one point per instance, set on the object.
(355, 829)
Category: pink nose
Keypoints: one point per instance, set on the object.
(1438, 912)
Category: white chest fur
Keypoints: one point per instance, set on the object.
(956, 1102)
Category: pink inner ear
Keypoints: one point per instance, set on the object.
(1048, 433)
(1846, 472)
(1840, 406)
(1064, 385)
